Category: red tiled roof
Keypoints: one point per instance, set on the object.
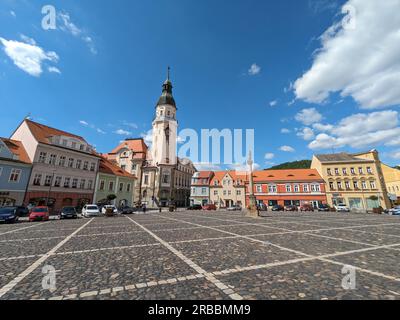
(108, 167)
(17, 148)
(136, 145)
(235, 175)
(204, 174)
(42, 133)
(287, 175)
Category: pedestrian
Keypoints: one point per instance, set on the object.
(144, 208)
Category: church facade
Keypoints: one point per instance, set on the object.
(163, 178)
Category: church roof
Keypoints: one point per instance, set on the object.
(166, 96)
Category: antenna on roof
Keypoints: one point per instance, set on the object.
(28, 117)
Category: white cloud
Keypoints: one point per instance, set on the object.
(70, 27)
(28, 57)
(254, 69)
(130, 124)
(148, 137)
(28, 40)
(318, 6)
(395, 155)
(287, 149)
(306, 134)
(91, 126)
(90, 44)
(269, 156)
(322, 127)
(308, 116)
(285, 131)
(361, 62)
(54, 70)
(273, 103)
(123, 132)
(242, 169)
(207, 167)
(360, 131)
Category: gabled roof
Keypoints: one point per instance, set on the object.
(42, 133)
(339, 157)
(235, 175)
(138, 146)
(287, 175)
(17, 148)
(108, 167)
(203, 174)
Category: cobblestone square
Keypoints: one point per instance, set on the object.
(203, 255)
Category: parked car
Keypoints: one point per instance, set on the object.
(68, 213)
(195, 207)
(262, 207)
(90, 210)
(210, 207)
(342, 208)
(324, 208)
(9, 215)
(395, 211)
(126, 210)
(278, 208)
(307, 208)
(109, 208)
(235, 208)
(291, 208)
(39, 214)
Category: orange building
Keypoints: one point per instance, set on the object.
(288, 187)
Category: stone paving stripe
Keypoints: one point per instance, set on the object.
(19, 229)
(180, 255)
(311, 257)
(5, 289)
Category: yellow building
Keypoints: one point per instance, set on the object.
(355, 180)
(392, 179)
(227, 188)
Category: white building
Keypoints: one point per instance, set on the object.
(163, 177)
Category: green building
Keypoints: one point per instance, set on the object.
(113, 182)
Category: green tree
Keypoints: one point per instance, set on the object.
(302, 164)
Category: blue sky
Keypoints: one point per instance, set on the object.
(246, 64)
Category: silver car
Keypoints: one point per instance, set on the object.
(90, 210)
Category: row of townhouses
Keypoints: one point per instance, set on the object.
(40, 165)
(360, 181)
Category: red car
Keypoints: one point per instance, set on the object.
(210, 207)
(39, 214)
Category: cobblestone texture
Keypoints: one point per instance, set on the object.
(203, 255)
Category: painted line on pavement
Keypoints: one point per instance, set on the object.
(233, 295)
(8, 287)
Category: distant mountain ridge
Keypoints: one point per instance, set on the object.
(302, 164)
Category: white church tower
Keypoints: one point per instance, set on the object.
(165, 127)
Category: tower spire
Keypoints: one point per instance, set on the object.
(168, 74)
